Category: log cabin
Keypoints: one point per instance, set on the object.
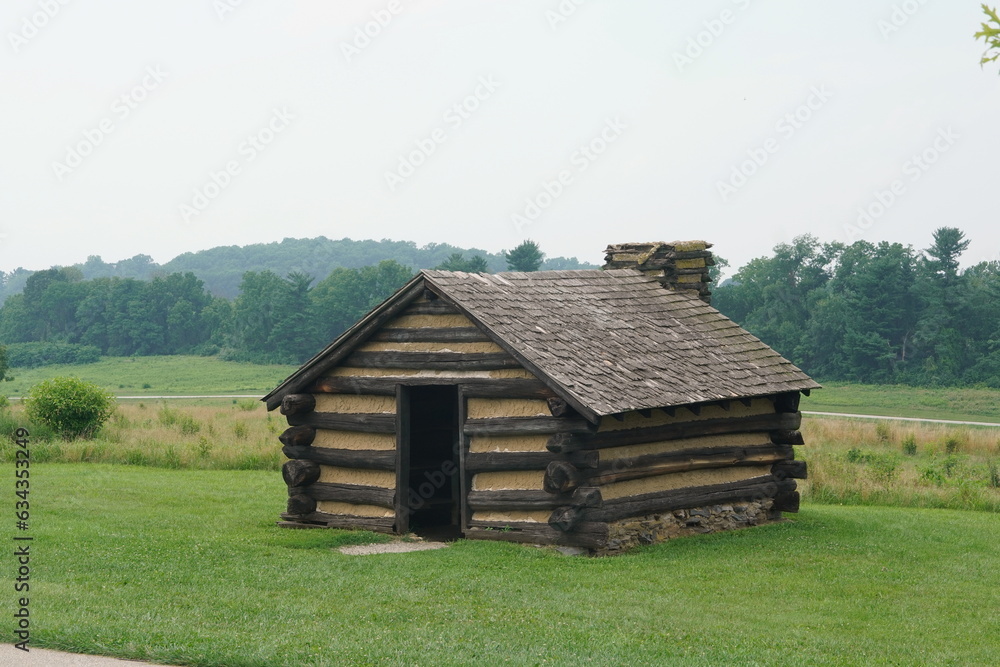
(599, 409)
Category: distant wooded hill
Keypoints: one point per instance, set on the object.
(221, 269)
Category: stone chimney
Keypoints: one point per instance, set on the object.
(681, 265)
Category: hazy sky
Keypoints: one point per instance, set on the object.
(169, 126)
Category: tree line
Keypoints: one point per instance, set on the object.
(60, 317)
(865, 312)
(874, 313)
(222, 268)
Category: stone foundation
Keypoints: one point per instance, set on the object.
(653, 528)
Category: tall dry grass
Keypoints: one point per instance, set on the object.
(871, 462)
(237, 436)
(905, 464)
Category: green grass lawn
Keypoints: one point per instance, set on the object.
(153, 376)
(186, 567)
(961, 404)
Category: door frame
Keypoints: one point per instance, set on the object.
(402, 459)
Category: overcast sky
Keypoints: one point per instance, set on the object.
(171, 126)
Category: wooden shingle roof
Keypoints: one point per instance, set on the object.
(617, 341)
(608, 341)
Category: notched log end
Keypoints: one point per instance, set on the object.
(298, 436)
(300, 504)
(565, 518)
(300, 473)
(297, 404)
(561, 477)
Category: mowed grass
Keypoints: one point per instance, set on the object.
(154, 376)
(958, 404)
(187, 567)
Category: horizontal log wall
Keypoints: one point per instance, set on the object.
(533, 500)
(429, 343)
(664, 460)
(351, 428)
(766, 423)
(506, 443)
(586, 535)
(347, 458)
(682, 480)
(347, 493)
(763, 486)
(474, 387)
(507, 457)
(488, 408)
(350, 522)
(697, 412)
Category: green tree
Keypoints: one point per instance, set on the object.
(69, 406)
(949, 244)
(346, 295)
(293, 337)
(457, 262)
(939, 344)
(861, 322)
(50, 299)
(525, 257)
(255, 314)
(990, 34)
(772, 296)
(13, 319)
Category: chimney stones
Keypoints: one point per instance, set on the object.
(680, 265)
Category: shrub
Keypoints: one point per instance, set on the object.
(188, 424)
(950, 463)
(69, 406)
(932, 474)
(910, 445)
(885, 469)
(166, 416)
(35, 354)
(883, 466)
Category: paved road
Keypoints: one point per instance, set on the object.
(205, 396)
(900, 419)
(18, 398)
(40, 657)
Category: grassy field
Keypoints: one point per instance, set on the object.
(207, 434)
(153, 376)
(901, 464)
(850, 461)
(174, 556)
(187, 567)
(960, 404)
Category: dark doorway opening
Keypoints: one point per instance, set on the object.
(430, 455)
